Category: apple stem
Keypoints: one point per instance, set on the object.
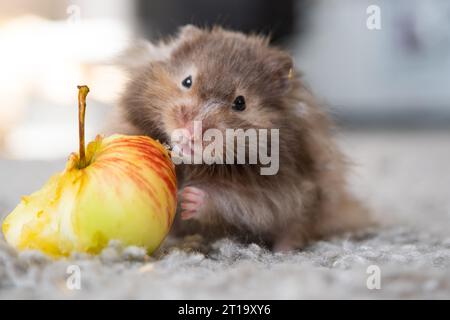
(82, 93)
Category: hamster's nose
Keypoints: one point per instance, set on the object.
(184, 114)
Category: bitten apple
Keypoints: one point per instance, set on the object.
(120, 187)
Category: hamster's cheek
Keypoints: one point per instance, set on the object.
(257, 117)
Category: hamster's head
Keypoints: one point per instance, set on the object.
(223, 79)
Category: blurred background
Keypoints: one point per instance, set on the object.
(395, 77)
(386, 83)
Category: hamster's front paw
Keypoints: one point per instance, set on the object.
(192, 201)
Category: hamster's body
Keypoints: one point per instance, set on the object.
(229, 80)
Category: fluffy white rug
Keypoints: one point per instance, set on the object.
(403, 177)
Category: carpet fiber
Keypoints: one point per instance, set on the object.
(403, 177)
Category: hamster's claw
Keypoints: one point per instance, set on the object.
(192, 201)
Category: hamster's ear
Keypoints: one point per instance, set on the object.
(281, 66)
(189, 31)
(141, 53)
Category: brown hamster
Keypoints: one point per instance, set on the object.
(230, 80)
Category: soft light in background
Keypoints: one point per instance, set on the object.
(46, 50)
(396, 76)
(388, 89)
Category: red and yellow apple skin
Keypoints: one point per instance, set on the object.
(126, 192)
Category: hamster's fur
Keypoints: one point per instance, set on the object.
(306, 200)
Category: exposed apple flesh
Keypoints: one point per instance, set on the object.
(124, 189)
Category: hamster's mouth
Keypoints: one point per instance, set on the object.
(185, 149)
(191, 152)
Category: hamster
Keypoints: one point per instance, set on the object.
(227, 79)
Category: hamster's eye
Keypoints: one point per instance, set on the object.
(187, 83)
(239, 103)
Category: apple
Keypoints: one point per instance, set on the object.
(120, 187)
